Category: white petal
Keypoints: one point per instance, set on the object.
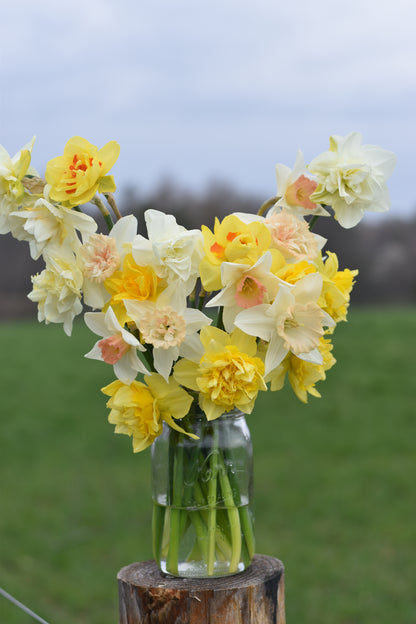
(124, 231)
(308, 288)
(95, 321)
(195, 320)
(95, 353)
(255, 322)
(137, 309)
(95, 295)
(276, 353)
(191, 348)
(314, 356)
(160, 225)
(163, 360)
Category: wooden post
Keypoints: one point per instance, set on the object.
(255, 596)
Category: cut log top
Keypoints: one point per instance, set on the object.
(255, 596)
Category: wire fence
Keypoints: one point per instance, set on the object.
(21, 606)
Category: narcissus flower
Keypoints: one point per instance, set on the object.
(293, 322)
(44, 223)
(303, 375)
(81, 172)
(294, 188)
(173, 251)
(227, 374)
(57, 289)
(168, 326)
(232, 241)
(102, 255)
(12, 190)
(117, 347)
(135, 282)
(292, 237)
(337, 286)
(352, 178)
(245, 287)
(139, 409)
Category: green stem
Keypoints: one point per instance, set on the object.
(267, 204)
(158, 521)
(212, 502)
(245, 515)
(104, 211)
(176, 511)
(312, 222)
(201, 298)
(233, 515)
(219, 323)
(112, 202)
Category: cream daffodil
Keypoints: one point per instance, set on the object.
(117, 346)
(45, 223)
(292, 322)
(292, 237)
(57, 289)
(12, 190)
(173, 251)
(245, 287)
(226, 372)
(168, 326)
(102, 255)
(294, 188)
(139, 409)
(352, 178)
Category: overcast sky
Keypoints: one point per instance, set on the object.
(211, 90)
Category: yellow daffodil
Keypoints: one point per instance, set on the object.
(303, 375)
(138, 410)
(81, 172)
(131, 282)
(337, 286)
(232, 241)
(228, 374)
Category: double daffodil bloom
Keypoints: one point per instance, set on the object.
(227, 373)
(233, 240)
(139, 409)
(81, 172)
(168, 326)
(352, 178)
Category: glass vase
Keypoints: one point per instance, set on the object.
(202, 492)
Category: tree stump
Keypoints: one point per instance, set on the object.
(255, 596)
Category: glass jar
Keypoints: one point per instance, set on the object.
(202, 492)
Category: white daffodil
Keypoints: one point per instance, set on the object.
(46, 223)
(57, 289)
(171, 249)
(168, 325)
(117, 347)
(294, 187)
(12, 171)
(101, 255)
(352, 178)
(245, 286)
(293, 322)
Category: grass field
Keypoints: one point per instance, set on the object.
(334, 480)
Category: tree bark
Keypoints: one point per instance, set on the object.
(255, 596)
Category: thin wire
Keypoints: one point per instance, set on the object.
(22, 606)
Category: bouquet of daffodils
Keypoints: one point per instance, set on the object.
(210, 316)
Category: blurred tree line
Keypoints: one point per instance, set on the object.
(383, 250)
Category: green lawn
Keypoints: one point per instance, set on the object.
(334, 480)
